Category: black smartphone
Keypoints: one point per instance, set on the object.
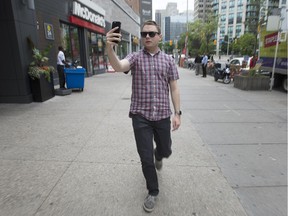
(116, 24)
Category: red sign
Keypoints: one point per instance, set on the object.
(88, 25)
(271, 39)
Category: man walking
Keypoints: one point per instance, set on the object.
(204, 64)
(198, 65)
(154, 74)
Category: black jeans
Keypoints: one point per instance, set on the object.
(204, 69)
(60, 69)
(145, 131)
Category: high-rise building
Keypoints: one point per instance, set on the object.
(171, 9)
(135, 5)
(202, 9)
(145, 10)
(237, 17)
(172, 23)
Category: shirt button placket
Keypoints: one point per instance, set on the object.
(153, 83)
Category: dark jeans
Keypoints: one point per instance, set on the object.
(204, 70)
(145, 131)
(60, 69)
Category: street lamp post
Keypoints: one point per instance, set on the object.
(259, 31)
(227, 45)
(186, 39)
(281, 18)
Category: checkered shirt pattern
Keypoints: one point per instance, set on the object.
(150, 84)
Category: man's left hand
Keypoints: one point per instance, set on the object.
(176, 122)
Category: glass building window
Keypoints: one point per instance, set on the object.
(70, 42)
(238, 30)
(222, 30)
(239, 17)
(231, 4)
(96, 51)
(230, 31)
(231, 18)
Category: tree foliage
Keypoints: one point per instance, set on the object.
(167, 47)
(245, 45)
(200, 36)
(252, 21)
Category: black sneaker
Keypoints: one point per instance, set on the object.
(149, 203)
(158, 164)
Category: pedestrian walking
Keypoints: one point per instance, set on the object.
(154, 75)
(204, 64)
(197, 62)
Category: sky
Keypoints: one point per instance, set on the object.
(181, 5)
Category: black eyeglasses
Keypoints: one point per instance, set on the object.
(151, 34)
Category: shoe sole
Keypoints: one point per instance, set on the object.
(146, 209)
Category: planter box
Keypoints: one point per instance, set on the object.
(42, 90)
(252, 83)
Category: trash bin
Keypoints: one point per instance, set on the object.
(75, 78)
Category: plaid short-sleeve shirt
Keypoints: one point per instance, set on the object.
(151, 75)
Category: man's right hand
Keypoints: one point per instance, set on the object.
(111, 37)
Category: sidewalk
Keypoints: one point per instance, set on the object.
(76, 155)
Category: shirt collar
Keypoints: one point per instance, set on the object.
(146, 52)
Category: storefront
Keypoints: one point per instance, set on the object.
(79, 26)
(96, 63)
(83, 38)
(135, 43)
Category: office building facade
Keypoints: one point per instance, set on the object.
(172, 23)
(202, 9)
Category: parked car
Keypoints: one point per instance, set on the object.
(238, 65)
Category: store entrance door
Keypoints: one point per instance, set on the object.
(96, 53)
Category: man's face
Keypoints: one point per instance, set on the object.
(152, 38)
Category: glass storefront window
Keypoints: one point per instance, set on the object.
(123, 49)
(70, 42)
(96, 52)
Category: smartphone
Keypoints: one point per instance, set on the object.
(116, 24)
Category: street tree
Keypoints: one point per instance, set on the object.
(252, 21)
(246, 44)
(200, 36)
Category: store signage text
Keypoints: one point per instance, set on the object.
(271, 39)
(87, 14)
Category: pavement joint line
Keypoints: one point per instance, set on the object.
(68, 166)
(241, 144)
(198, 122)
(49, 193)
(233, 110)
(259, 186)
(4, 159)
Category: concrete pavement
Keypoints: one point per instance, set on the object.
(76, 155)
